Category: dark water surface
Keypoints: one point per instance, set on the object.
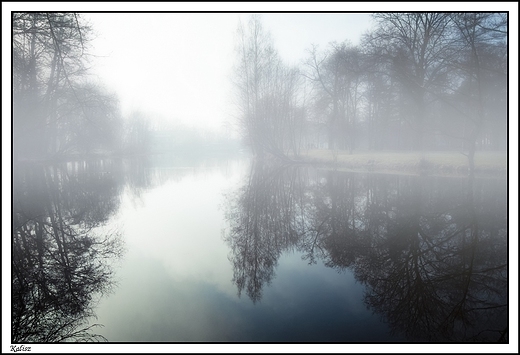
(230, 250)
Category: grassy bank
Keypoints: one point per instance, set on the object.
(431, 163)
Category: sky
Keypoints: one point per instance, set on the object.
(177, 67)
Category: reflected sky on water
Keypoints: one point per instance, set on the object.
(231, 250)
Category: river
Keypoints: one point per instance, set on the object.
(236, 250)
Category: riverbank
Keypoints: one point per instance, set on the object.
(417, 163)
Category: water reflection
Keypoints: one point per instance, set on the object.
(60, 261)
(431, 252)
(63, 252)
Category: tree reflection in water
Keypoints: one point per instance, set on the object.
(264, 222)
(432, 252)
(59, 263)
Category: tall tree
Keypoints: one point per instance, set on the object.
(47, 54)
(482, 39)
(418, 47)
(53, 107)
(266, 94)
(336, 76)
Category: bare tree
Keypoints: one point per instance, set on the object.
(336, 76)
(266, 94)
(52, 104)
(479, 34)
(418, 46)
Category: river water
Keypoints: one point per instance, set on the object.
(236, 250)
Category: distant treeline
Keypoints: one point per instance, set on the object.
(186, 139)
(418, 81)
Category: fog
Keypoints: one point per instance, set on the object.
(281, 84)
(164, 163)
(170, 62)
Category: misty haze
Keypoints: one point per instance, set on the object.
(218, 177)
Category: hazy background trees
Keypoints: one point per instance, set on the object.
(57, 109)
(421, 81)
(417, 48)
(416, 81)
(482, 71)
(47, 58)
(336, 78)
(270, 114)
